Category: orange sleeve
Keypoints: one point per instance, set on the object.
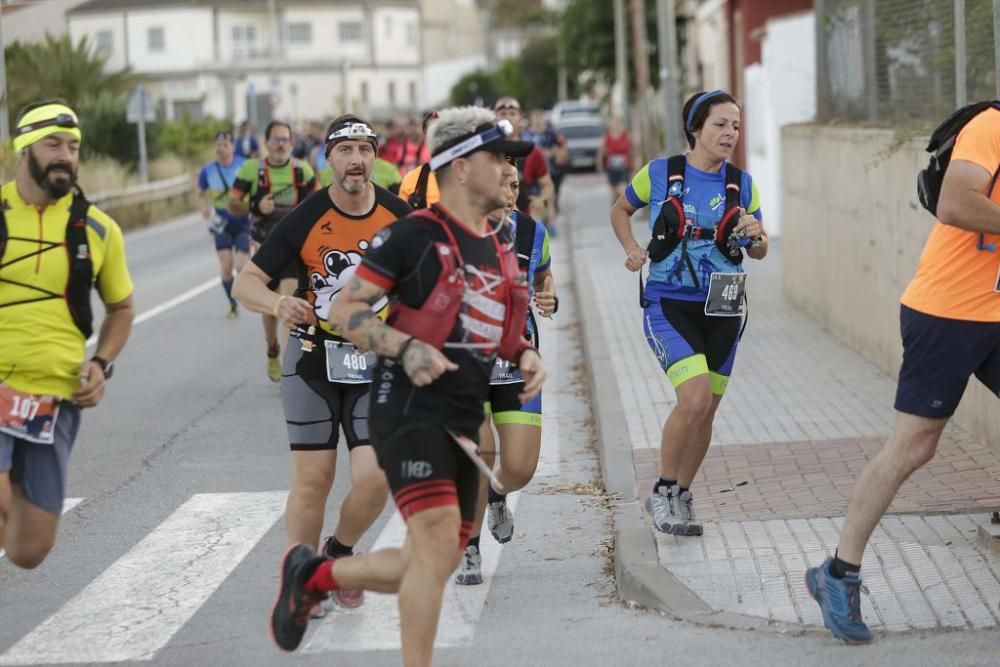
(979, 141)
(409, 184)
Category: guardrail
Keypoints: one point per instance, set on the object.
(143, 193)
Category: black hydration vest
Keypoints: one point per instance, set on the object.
(670, 228)
(418, 199)
(81, 266)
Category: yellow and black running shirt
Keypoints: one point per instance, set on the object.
(41, 348)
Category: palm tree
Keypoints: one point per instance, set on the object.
(58, 68)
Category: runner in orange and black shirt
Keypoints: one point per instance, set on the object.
(326, 388)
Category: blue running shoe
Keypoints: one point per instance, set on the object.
(840, 602)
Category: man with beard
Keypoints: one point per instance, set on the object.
(45, 320)
(458, 300)
(268, 189)
(326, 389)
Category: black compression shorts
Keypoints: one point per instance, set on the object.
(426, 469)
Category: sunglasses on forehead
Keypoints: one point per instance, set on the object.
(508, 105)
(62, 120)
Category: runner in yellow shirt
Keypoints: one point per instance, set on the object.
(54, 247)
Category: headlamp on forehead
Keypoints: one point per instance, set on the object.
(353, 131)
(44, 120)
(64, 120)
(502, 129)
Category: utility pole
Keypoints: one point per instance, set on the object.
(621, 60)
(996, 44)
(563, 75)
(666, 21)
(639, 40)
(4, 127)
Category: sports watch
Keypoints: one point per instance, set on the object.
(108, 367)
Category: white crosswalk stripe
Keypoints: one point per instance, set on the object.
(68, 504)
(375, 626)
(133, 609)
(136, 606)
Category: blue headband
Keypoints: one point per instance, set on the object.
(697, 103)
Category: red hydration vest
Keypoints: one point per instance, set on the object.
(434, 321)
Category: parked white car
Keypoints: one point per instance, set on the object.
(566, 111)
(584, 136)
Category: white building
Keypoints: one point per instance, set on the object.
(29, 21)
(293, 59)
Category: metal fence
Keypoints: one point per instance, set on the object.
(904, 62)
(143, 193)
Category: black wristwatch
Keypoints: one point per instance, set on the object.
(108, 367)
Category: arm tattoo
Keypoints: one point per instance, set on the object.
(354, 286)
(359, 318)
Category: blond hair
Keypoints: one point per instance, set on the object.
(456, 122)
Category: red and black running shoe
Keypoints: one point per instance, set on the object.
(290, 614)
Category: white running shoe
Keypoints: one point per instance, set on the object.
(470, 572)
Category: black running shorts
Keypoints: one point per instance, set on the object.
(427, 469)
(939, 357)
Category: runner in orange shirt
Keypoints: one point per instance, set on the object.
(953, 298)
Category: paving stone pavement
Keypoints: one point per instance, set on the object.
(802, 415)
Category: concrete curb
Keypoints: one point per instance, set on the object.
(639, 576)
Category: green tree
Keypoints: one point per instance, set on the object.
(475, 87)
(189, 139)
(540, 73)
(587, 30)
(58, 68)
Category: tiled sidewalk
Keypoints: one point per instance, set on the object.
(802, 416)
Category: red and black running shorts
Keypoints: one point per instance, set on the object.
(427, 469)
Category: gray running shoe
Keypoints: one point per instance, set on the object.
(500, 521)
(685, 509)
(663, 508)
(470, 572)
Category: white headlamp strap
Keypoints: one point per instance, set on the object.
(499, 131)
(356, 131)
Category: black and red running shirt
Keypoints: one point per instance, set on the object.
(402, 260)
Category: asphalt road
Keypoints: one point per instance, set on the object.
(170, 555)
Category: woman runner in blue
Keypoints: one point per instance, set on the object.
(704, 214)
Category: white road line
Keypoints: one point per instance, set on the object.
(68, 504)
(548, 459)
(375, 626)
(170, 303)
(135, 606)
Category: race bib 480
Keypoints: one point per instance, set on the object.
(344, 364)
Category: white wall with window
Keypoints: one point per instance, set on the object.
(243, 36)
(325, 33)
(169, 39)
(110, 25)
(370, 90)
(396, 36)
(104, 43)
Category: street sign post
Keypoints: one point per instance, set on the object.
(140, 110)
